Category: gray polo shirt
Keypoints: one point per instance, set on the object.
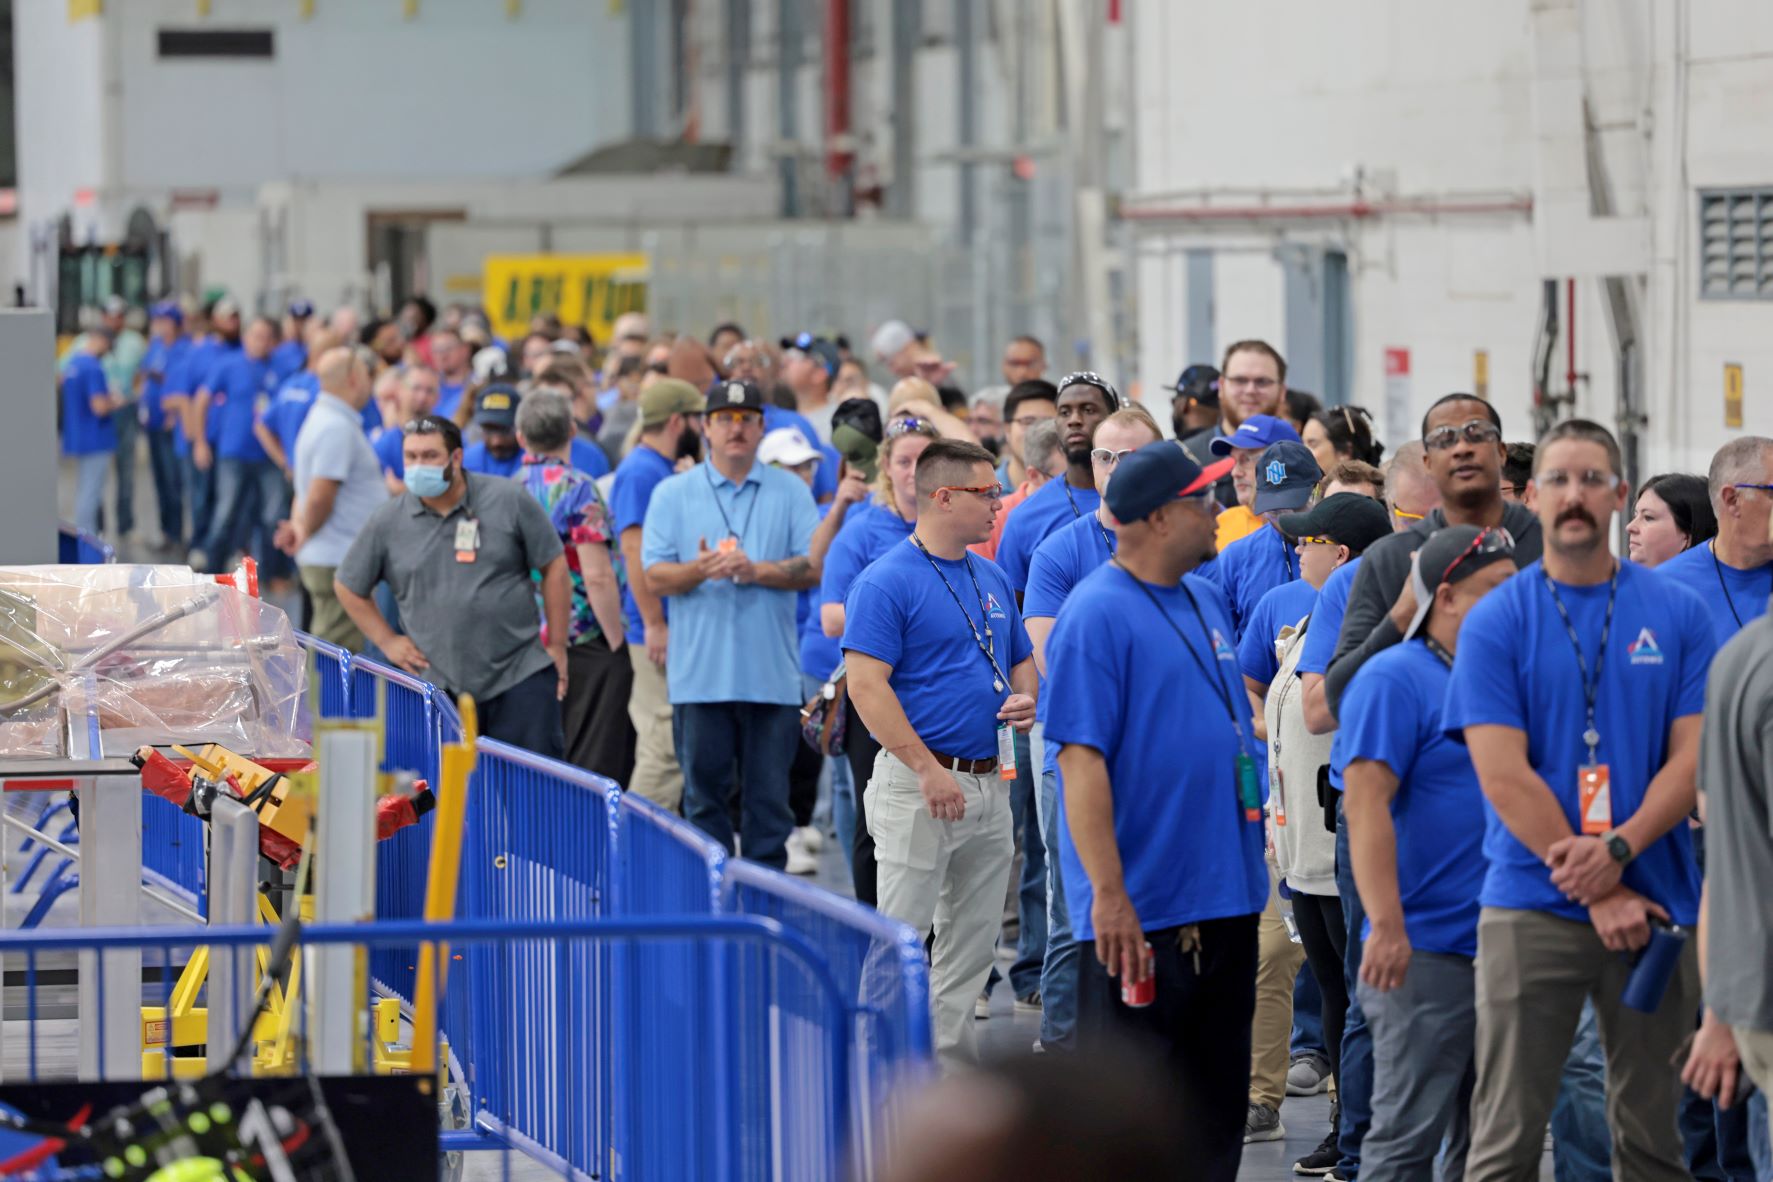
(1735, 767)
(476, 622)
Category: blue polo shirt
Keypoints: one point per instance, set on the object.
(1391, 714)
(158, 363)
(899, 611)
(1253, 566)
(819, 653)
(289, 359)
(1281, 607)
(1059, 564)
(1737, 597)
(1052, 506)
(1122, 684)
(83, 432)
(640, 472)
(731, 642)
(869, 531)
(1517, 668)
(239, 389)
(289, 408)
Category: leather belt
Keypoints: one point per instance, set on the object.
(973, 767)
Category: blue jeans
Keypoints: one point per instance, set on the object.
(248, 498)
(747, 746)
(1760, 1145)
(89, 491)
(1354, 1077)
(1308, 1018)
(123, 418)
(1059, 972)
(169, 493)
(1031, 891)
(1717, 1140)
(1582, 1148)
(200, 494)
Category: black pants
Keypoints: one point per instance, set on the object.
(861, 749)
(803, 781)
(1322, 933)
(527, 715)
(1198, 1030)
(599, 737)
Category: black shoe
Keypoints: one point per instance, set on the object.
(1321, 1160)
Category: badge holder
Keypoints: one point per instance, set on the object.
(1006, 751)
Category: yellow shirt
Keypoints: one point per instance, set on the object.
(1236, 522)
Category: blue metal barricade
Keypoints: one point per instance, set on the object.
(78, 548)
(174, 854)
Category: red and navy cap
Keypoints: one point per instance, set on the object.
(1155, 475)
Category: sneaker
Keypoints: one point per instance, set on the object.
(1309, 1075)
(800, 859)
(982, 1007)
(811, 838)
(1320, 1162)
(1028, 1003)
(1263, 1124)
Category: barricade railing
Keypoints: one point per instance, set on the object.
(76, 547)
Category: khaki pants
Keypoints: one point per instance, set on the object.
(1756, 1049)
(1533, 971)
(949, 875)
(330, 622)
(1271, 1033)
(656, 774)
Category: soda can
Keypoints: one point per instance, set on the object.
(1139, 996)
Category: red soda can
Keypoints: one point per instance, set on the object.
(1139, 996)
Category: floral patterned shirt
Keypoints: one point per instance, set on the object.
(579, 515)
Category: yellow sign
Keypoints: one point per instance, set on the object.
(1732, 395)
(79, 10)
(1480, 373)
(584, 289)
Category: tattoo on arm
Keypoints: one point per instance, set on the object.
(797, 567)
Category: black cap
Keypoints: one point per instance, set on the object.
(1199, 382)
(1451, 554)
(861, 413)
(1353, 519)
(735, 396)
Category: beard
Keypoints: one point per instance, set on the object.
(689, 446)
(1078, 456)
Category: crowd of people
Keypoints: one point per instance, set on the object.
(1293, 764)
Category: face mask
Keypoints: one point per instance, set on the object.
(427, 480)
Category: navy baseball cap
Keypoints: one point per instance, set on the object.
(1199, 382)
(1286, 474)
(819, 349)
(1155, 475)
(498, 407)
(168, 310)
(301, 309)
(1256, 432)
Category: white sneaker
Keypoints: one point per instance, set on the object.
(982, 1007)
(800, 861)
(811, 838)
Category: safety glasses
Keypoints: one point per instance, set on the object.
(906, 425)
(736, 418)
(990, 492)
(1108, 457)
(1311, 540)
(1589, 480)
(1472, 431)
(1492, 540)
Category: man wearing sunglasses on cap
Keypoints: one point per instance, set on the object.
(1415, 820)
(1085, 399)
(1578, 688)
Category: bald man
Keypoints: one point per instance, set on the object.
(338, 483)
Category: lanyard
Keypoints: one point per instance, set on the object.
(1075, 511)
(756, 491)
(1718, 565)
(1206, 670)
(987, 644)
(1107, 542)
(1439, 650)
(1590, 686)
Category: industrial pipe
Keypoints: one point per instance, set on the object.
(1332, 212)
(838, 154)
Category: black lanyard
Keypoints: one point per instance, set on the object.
(1438, 649)
(1206, 670)
(1591, 687)
(987, 643)
(1107, 542)
(756, 492)
(1075, 511)
(1718, 565)
(1286, 554)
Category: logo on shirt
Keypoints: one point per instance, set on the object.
(994, 609)
(1221, 648)
(1276, 472)
(1644, 650)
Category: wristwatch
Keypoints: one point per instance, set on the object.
(1618, 847)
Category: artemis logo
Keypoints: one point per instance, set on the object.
(1644, 650)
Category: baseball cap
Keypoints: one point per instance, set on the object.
(1084, 377)
(788, 447)
(667, 397)
(735, 396)
(498, 407)
(858, 450)
(115, 305)
(1257, 431)
(301, 309)
(225, 306)
(168, 310)
(1286, 474)
(1199, 382)
(1354, 520)
(819, 349)
(1451, 554)
(861, 413)
(890, 339)
(1155, 475)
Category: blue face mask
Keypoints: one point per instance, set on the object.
(427, 480)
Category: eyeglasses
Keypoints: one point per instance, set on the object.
(1515, 490)
(1472, 431)
(1108, 457)
(1490, 540)
(1249, 383)
(1317, 541)
(1408, 516)
(736, 418)
(1590, 480)
(1757, 487)
(990, 492)
(907, 425)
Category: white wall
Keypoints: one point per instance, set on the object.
(58, 73)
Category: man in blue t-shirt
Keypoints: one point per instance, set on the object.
(941, 673)
(1162, 847)
(416, 397)
(1734, 571)
(1415, 814)
(293, 355)
(1578, 688)
(1084, 401)
(670, 431)
(167, 346)
(250, 492)
(87, 431)
(1286, 477)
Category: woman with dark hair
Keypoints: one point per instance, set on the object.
(1673, 514)
(1342, 433)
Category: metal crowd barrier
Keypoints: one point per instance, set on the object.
(78, 548)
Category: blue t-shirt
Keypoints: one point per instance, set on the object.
(449, 397)
(1060, 563)
(288, 359)
(1516, 668)
(819, 653)
(730, 641)
(1122, 684)
(899, 612)
(1054, 504)
(587, 458)
(1281, 607)
(83, 432)
(1326, 619)
(1253, 566)
(825, 478)
(388, 450)
(1737, 597)
(639, 474)
(158, 364)
(1392, 715)
(289, 409)
(869, 531)
(239, 390)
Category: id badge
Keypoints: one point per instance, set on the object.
(1595, 795)
(1006, 751)
(1248, 794)
(728, 544)
(467, 540)
(1277, 796)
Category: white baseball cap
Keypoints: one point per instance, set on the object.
(890, 339)
(788, 447)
